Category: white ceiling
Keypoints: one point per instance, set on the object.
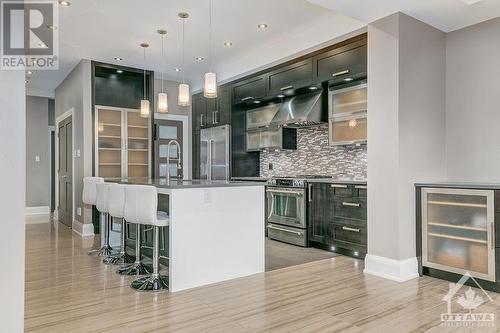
(446, 15)
(100, 30)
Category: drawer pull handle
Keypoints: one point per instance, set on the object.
(350, 204)
(286, 88)
(298, 233)
(361, 187)
(350, 229)
(246, 98)
(338, 186)
(341, 73)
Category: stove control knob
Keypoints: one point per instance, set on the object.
(298, 183)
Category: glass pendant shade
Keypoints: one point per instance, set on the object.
(145, 108)
(162, 103)
(210, 90)
(184, 97)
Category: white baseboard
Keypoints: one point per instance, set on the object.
(37, 214)
(83, 230)
(396, 270)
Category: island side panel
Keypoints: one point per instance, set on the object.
(216, 234)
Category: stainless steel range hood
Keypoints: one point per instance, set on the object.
(301, 110)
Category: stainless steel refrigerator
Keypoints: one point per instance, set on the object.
(214, 156)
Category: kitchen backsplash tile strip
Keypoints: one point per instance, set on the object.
(314, 156)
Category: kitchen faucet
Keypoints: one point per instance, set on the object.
(179, 164)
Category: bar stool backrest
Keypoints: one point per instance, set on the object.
(116, 202)
(89, 196)
(102, 203)
(141, 204)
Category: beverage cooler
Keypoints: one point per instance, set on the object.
(456, 233)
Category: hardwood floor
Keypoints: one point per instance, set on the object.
(68, 291)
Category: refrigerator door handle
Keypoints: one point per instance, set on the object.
(209, 159)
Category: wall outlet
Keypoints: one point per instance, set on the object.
(270, 166)
(78, 153)
(79, 211)
(206, 196)
(37, 158)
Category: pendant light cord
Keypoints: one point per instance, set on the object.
(163, 62)
(210, 35)
(183, 48)
(144, 73)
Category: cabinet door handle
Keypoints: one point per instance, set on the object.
(338, 186)
(350, 204)
(360, 187)
(286, 88)
(202, 120)
(350, 229)
(341, 73)
(309, 188)
(246, 98)
(298, 233)
(491, 235)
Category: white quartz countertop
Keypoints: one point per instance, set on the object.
(186, 183)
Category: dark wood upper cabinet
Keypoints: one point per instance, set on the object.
(249, 90)
(223, 111)
(293, 76)
(199, 110)
(320, 212)
(347, 61)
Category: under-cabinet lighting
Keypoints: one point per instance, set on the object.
(119, 71)
(348, 79)
(313, 88)
(356, 253)
(281, 96)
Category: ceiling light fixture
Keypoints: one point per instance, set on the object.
(29, 72)
(119, 71)
(199, 58)
(145, 104)
(262, 26)
(210, 86)
(64, 3)
(228, 44)
(162, 96)
(183, 97)
(118, 58)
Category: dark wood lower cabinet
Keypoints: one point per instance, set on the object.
(337, 218)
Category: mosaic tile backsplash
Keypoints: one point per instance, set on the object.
(314, 156)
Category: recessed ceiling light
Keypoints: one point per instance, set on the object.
(119, 71)
(199, 58)
(228, 44)
(118, 58)
(64, 3)
(29, 72)
(52, 27)
(348, 79)
(177, 69)
(43, 45)
(262, 26)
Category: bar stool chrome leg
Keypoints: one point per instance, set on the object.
(154, 282)
(122, 258)
(137, 268)
(105, 250)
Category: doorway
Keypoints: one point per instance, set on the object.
(65, 171)
(167, 130)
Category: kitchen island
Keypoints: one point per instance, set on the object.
(216, 230)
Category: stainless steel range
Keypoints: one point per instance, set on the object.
(287, 209)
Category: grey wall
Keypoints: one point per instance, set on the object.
(74, 93)
(314, 156)
(37, 144)
(406, 127)
(472, 111)
(12, 197)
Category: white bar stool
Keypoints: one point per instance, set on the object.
(141, 206)
(89, 197)
(102, 205)
(116, 209)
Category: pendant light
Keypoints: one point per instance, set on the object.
(162, 96)
(184, 95)
(145, 105)
(210, 88)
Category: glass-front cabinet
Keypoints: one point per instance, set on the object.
(458, 231)
(122, 143)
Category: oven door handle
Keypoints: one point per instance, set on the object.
(298, 193)
(271, 209)
(298, 233)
